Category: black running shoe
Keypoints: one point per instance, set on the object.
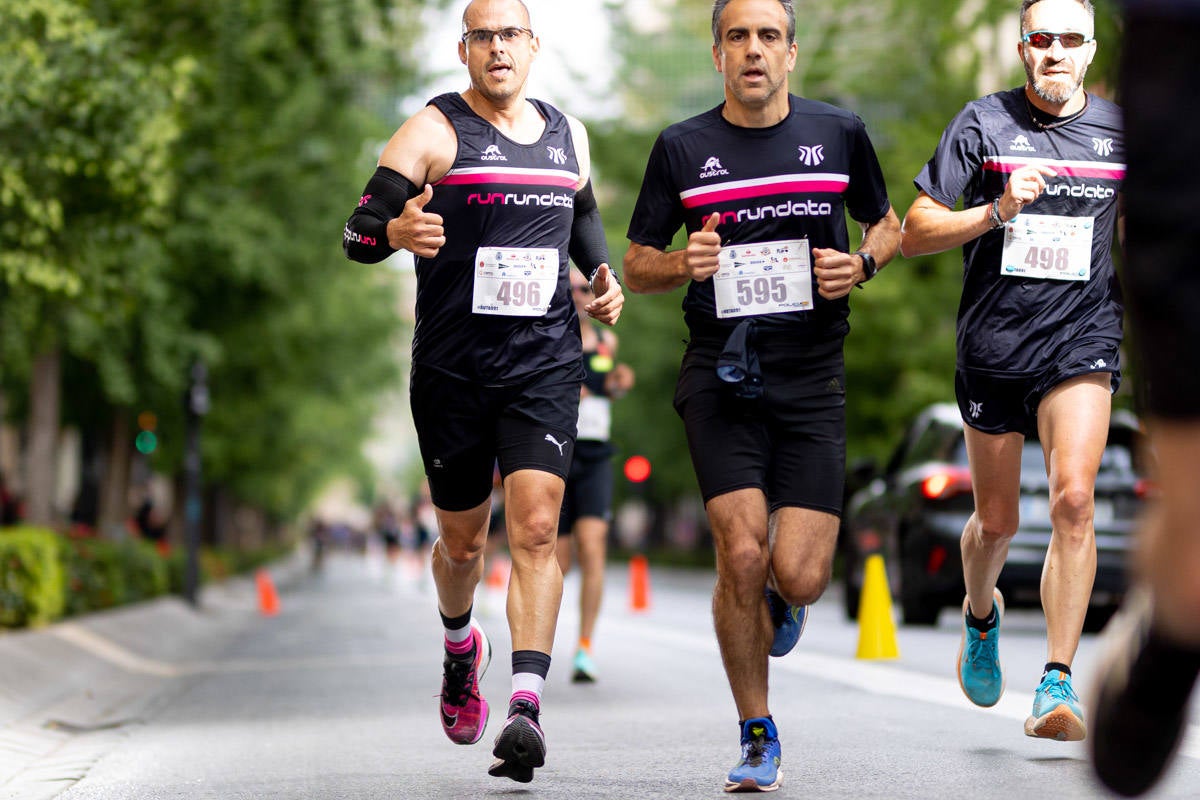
(1132, 741)
(520, 745)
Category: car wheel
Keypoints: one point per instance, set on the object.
(917, 607)
(1097, 617)
(851, 591)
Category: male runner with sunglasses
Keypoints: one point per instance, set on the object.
(762, 184)
(489, 190)
(1039, 169)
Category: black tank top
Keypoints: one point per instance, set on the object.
(498, 193)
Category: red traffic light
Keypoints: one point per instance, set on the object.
(637, 468)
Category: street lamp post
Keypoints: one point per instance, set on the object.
(196, 405)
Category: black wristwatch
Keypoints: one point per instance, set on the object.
(868, 262)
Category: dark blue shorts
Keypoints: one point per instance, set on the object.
(790, 442)
(996, 404)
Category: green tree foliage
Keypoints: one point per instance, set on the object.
(272, 157)
(173, 182)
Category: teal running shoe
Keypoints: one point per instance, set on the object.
(758, 771)
(979, 672)
(583, 669)
(1056, 713)
(789, 622)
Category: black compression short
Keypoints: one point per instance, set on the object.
(464, 430)
(589, 485)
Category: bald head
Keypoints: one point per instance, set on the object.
(486, 5)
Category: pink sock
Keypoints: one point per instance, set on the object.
(460, 648)
(526, 695)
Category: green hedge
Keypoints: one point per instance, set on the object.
(45, 575)
(31, 577)
(101, 573)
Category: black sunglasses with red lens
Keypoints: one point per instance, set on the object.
(1044, 40)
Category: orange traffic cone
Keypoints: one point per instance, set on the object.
(498, 575)
(268, 599)
(639, 583)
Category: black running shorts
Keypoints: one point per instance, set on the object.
(996, 405)
(464, 430)
(790, 443)
(589, 485)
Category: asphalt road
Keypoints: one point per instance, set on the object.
(335, 698)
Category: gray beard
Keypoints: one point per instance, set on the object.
(1045, 90)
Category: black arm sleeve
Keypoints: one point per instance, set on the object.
(365, 236)
(588, 248)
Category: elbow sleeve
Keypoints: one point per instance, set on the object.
(365, 236)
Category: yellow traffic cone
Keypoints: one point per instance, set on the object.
(876, 628)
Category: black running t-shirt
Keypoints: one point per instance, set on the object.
(793, 180)
(510, 197)
(1010, 325)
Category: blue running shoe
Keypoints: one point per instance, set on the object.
(979, 672)
(1056, 713)
(758, 771)
(789, 622)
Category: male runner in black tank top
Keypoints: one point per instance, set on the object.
(769, 176)
(488, 190)
(1039, 169)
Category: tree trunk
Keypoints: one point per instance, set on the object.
(114, 483)
(44, 391)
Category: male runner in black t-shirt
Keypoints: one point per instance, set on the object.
(1140, 705)
(762, 183)
(489, 190)
(1039, 169)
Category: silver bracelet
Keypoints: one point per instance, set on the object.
(994, 218)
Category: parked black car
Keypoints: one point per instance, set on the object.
(913, 513)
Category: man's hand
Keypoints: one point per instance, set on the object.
(619, 381)
(702, 256)
(414, 230)
(1024, 186)
(837, 272)
(608, 297)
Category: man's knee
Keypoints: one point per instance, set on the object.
(801, 584)
(994, 528)
(1071, 508)
(460, 549)
(744, 563)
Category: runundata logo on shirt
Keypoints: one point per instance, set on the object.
(492, 153)
(713, 168)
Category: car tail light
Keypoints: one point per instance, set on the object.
(946, 483)
(937, 557)
(1145, 489)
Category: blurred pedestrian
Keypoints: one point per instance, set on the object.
(587, 504)
(1140, 705)
(1039, 169)
(762, 183)
(489, 190)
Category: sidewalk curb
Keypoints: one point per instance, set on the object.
(69, 689)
